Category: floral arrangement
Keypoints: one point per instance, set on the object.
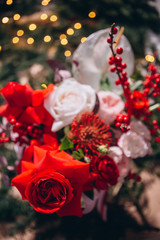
(75, 142)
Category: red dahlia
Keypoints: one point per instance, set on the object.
(89, 132)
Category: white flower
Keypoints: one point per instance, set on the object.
(141, 129)
(110, 106)
(67, 101)
(90, 60)
(133, 145)
(123, 163)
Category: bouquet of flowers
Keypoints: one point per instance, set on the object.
(79, 138)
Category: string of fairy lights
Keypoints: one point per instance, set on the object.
(63, 37)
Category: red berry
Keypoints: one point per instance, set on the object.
(118, 124)
(154, 122)
(126, 83)
(157, 80)
(18, 124)
(112, 69)
(109, 40)
(12, 121)
(29, 129)
(119, 69)
(114, 30)
(117, 82)
(119, 50)
(123, 65)
(124, 74)
(111, 60)
(118, 59)
(3, 135)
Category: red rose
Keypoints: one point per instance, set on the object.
(24, 104)
(53, 183)
(140, 103)
(106, 171)
(47, 192)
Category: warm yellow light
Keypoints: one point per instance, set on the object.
(64, 41)
(16, 17)
(15, 40)
(47, 38)
(149, 58)
(43, 85)
(44, 16)
(92, 14)
(32, 27)
(67, 53)
(0, 48)
(9, 2)
(44, 2)
(5, 20)
(20, 32)
(53, 18)
(77, 25)
(62, 36)
(83, 39)
(70, 31)
(30, 41)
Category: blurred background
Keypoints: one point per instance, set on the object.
(32, 32)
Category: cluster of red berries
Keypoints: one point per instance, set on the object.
(155, 130)
(4, 138)
(118, 66)
(152, 82)
(122, 121)
(25, 132)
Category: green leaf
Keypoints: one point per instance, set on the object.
(105, 85)
(66, 143)
(78, 154)
(136, 85)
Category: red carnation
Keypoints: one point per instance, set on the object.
(53, 183)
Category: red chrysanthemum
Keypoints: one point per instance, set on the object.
(89, 132)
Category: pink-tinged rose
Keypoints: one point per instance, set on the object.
(110, 106)
(67, 101)
(133, 145)
(123, 163)
(141, 129)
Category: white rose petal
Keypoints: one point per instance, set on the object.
(67, 101)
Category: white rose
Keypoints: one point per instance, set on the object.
(110, 106)
(141, 129)
(68, 100)
(123, 163)
(133, 145)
